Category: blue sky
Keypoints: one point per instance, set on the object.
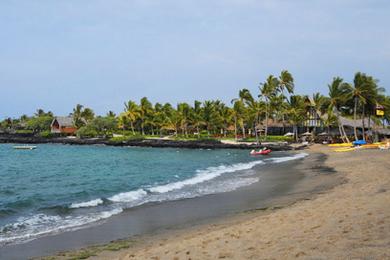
(55, 54)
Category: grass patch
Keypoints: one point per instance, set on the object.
(270, 138)
(119, 139)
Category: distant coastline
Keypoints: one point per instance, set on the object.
(161, 143)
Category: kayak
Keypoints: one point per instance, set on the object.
(370, 146)
(262, 152)
(359, 142)
(345, 149)
(341, 145)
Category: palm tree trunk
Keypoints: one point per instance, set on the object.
(132, 127)
(363, 126)
(295, 130)
(354, 118)
(257, 137)
(345, 134)
(369, 125)
(266, 121)
(235, 128)
(341, 133)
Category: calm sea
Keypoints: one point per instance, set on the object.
(56, 188)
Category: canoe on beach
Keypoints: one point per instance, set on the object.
(345, 149)
(341, 145)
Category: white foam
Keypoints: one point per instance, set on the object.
(91, 203)
(205, 175)
(128, 196)
(27, 228)
(289, 158)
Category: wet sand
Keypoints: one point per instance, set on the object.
(350, 221)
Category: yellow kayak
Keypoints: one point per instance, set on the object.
(345, 149)
(370, 146)
(341, 145)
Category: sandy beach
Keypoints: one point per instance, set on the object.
(350, 221)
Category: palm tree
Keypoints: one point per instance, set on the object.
(40, 112)
(111, 114)
(319, 105)
(209, 115)
(268, 89)
(358, 92)
(132, 113)
(338, 92)
(184, 111)
(254, 109)
(286, 82)
(145, 109)
(238, 116)
(196, 116)
(296, 112)
(77, 115)
(87, 114)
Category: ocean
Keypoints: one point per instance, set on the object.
(58, 188)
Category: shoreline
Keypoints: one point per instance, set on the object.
(276, 181)
(348, 220)
(158, 143)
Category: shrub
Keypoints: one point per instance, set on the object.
(46, 134)
(87, 132)
(24, 131)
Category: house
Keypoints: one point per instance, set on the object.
(63, 125)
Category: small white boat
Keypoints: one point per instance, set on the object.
(25, 147)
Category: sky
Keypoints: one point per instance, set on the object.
(99, 53)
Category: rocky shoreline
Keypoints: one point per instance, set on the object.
(161, 143)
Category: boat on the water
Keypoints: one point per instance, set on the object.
(261, 152)
(25, 147)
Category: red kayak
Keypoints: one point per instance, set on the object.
(262, 152)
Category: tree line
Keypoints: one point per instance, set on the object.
(246, 115)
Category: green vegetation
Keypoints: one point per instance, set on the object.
(247, 117)
(87, 131)
(126, 138)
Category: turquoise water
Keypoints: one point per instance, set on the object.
(61, 187)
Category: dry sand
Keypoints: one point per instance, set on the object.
(351, 221)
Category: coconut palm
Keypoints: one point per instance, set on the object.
(196, 116)
(77, 115)
(338, 93)
(268, 89)
(145, 109)
(296, 111)
(111, 114)
(88, 115)
(209, 115)
(132, 113)
(286, 82)
(359, 92)
(184, 111)
(238, 116)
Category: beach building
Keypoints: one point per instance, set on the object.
(313, 116)
(63, 125)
